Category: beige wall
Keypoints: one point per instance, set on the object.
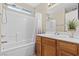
(25, 5)
(42, 8)
(59, 16)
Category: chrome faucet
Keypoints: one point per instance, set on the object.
(56, 33)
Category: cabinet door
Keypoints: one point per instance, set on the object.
(66, 48)
(48, 47)
(38, 49)
(48, 50)
(38, 46)
(38, 39)
(78, 50)
(49, 41)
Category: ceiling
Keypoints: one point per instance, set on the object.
(33, 4)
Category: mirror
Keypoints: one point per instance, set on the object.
(62, 13)
(71, 12)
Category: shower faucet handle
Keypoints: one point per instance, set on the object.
(3, 36)
(0, 14)
(4, 42)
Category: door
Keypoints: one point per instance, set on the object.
(38, 46)
(38, 49)
(48, 46)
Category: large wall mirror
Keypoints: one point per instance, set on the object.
(71, 12)
(62, 13)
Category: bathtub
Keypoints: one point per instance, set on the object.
(18, 49)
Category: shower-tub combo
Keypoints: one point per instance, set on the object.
(17, 31)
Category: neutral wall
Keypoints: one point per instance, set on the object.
(42, 8)
(25, 5)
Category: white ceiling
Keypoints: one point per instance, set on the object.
(33, 4)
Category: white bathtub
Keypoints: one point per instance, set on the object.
(18, 49)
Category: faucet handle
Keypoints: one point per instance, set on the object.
(0, 14)
(3, 36)
(4, 42)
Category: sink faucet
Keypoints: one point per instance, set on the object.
(56, 33)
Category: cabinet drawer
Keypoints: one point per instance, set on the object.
(38, 39)
(38, 49)
(48, 41)
(66, 46)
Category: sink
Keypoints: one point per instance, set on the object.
(53, 34)
(76, 36)
(63, 36)
(60, 35)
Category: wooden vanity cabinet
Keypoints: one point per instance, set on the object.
(78, 49)
(66, 48)
(48, 47)
(52, 47)
(38, 46)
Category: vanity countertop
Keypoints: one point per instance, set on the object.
(60, 37)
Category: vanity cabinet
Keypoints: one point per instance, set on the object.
(38, 46)
(53, 47)
(66, 48)
(48, 47)
(78, 49)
